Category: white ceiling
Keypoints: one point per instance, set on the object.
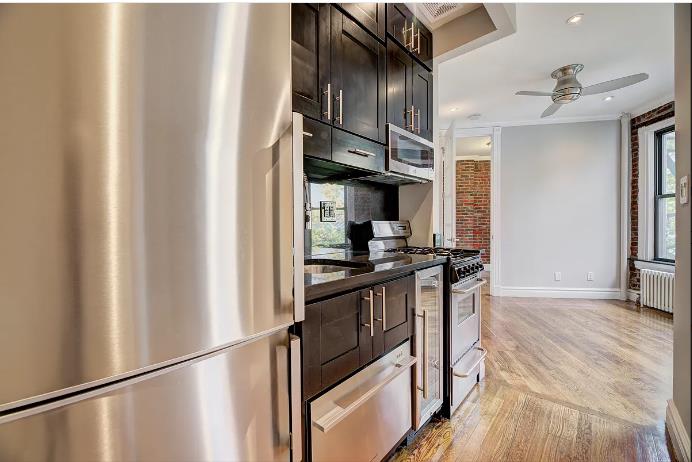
(473, 146)
(613, 40)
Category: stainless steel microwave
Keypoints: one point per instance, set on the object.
(409, 154)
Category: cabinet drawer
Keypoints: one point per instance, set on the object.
(317, 139)
(357, 152)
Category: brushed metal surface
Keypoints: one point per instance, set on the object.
(145, 187)
(227, 406)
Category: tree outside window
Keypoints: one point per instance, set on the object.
(664, 200)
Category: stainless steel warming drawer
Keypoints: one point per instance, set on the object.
(363, 418)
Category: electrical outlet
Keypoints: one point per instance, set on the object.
(589, 276)
(558, 276)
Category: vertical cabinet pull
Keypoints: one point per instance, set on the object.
(417, 46)
(340, 99)
(405, 31)
(328, 92)
(370, 298)
(384, 308)
(425, 388)
(413, 119)
(417, 130)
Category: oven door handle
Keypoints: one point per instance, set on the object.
(479, 283)
(481, 357)
(335, 415)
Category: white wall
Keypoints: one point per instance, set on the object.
(560, 209)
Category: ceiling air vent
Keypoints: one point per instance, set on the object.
(436, 14)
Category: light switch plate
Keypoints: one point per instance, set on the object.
(327, 211)
(684, 190)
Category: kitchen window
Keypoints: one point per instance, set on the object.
(328, 232)
(664, 195)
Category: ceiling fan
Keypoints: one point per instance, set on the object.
(568, 89)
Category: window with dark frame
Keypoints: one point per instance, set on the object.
(664, 195)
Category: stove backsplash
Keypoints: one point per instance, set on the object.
(335, 205)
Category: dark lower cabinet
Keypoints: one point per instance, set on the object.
(370, 15)
(344, 333)
(358, 76)
(310, 48)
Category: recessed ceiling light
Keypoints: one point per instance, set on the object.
(575, 19)
(474, 116)
(609, 98)
(454, 109)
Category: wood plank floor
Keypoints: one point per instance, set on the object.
(566, 380)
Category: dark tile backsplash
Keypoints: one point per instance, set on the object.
(361, 201)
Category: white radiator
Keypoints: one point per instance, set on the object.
(657, 289)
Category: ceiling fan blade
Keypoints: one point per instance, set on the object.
(614, 84)
(552, 109)
(534, 93)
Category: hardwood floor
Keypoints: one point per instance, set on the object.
(566, 380)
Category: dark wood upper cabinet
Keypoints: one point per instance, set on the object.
(399, 86)
(422, 101)
(409, 92)
(370, 15)
(310, 33)
(358, 77)
(410, 33)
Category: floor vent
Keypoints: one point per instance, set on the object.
(657, 289)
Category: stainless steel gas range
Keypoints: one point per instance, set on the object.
(448, 314)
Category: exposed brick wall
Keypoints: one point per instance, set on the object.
(656, 115)
(473, 205)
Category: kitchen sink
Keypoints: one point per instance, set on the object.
(323, 265)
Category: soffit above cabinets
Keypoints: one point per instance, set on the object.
(434, 15)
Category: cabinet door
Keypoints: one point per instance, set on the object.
(399, 20)
(399, 86)
(310, 44)
(331, 341)
(422, 44)
(369, 15)
(359, 79)
(421, 100)
(394, 308)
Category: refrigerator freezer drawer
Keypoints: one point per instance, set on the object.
(364, 417)
(228, 406)
(145, 188)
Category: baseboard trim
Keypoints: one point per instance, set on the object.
(569, 292)
(632, 295)
(678, 435)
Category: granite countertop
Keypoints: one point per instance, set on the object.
(369, 268)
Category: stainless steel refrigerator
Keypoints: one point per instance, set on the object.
(146, 232)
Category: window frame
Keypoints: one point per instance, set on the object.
(659, 175)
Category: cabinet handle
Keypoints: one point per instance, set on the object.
(479, 282)
(417, 130)
(308, 134)
(340, 99)
(372, 314)
(425, 388)
(360, 152)
(384, 308)
(413, 119)
(417, 47)
(404, 31)
(328, 92)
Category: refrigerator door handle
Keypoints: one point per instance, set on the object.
(298, 220)
(296, 402)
